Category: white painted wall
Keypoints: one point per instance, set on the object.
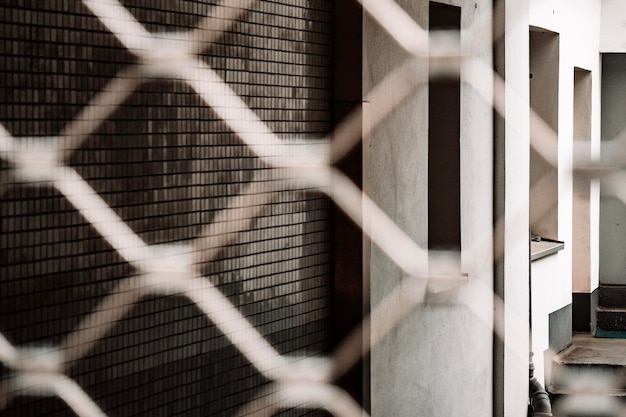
(439, 361)
(578, 24)
(547, 296)
(516, 251)
(613, 28)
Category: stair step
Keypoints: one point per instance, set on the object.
(600, 332)
(612, 296)
(587, 378)
(611, 318)
(590, 363)
(588, 350)
(559, 391)
(587, 405)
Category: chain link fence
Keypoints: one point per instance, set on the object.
(267, 178)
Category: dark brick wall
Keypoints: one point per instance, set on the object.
(166, 164)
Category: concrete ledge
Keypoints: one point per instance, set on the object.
(542, 248)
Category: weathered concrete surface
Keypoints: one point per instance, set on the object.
(589, 350)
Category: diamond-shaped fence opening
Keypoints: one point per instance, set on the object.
(165, 162)
(36, 406)
(169, 16)
(56, 57)
(164, 358)
(54, 267)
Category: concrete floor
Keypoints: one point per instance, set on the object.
(589, 350)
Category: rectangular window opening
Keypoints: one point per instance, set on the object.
(444, 150)
(544, 101)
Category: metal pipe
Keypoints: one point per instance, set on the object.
(539, 400)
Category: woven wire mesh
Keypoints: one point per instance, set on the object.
(241, 170)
